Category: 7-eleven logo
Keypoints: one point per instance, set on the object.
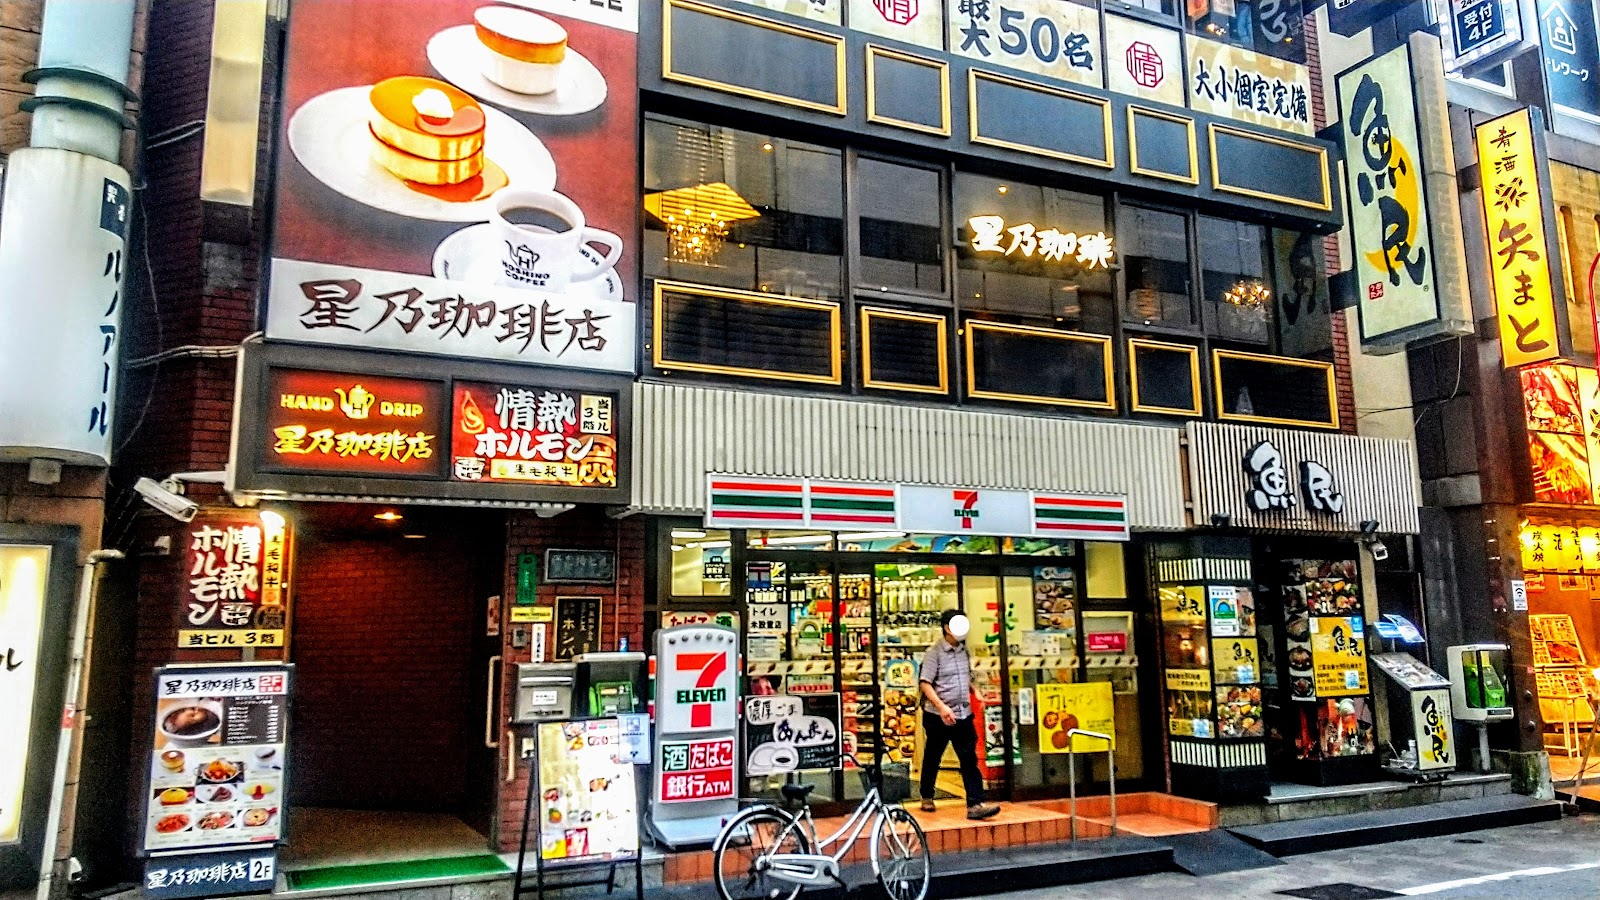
(699, 698)
(968, 508)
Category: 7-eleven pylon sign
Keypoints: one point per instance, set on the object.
(695, 783)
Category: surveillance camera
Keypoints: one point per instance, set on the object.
(1379, 551)
(173, 504)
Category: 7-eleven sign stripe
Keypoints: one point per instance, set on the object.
(711, 666)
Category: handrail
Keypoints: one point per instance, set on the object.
(1072, 775)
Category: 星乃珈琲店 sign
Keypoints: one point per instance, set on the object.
(335, 423)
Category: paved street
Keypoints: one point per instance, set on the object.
(1553, 861)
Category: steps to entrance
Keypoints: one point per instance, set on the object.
(1382, 826)
(1295, 801)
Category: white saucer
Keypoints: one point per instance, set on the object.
(468, 256)
(457, 54)
(331, 137)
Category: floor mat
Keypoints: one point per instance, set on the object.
(1340, 890)
(383, 873)
(1215, 852)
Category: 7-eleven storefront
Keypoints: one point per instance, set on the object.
(836, 585)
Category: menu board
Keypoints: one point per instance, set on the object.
(1555, 640)
(1338, 656)
(577, 626)
(784, 733)
(1324, 629)
(217, 756)
(587, 801)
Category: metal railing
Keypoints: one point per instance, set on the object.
(1072, 775)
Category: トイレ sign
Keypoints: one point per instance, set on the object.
(1387, 190)
(1529, 301)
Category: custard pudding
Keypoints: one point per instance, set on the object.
(524, 50)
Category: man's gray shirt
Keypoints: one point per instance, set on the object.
(949, 670)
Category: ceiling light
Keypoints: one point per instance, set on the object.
(388, 515)
(414, 537)
(687, 533)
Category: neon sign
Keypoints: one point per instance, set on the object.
(991, 235)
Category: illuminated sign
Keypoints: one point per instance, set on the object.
(1561, 410)
(1528, 302)
(233, 596)
(534, 435)
(990, 234)
(353, 424)
(24, 574)
(1389, 221)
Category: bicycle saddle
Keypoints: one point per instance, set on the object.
(797, 792)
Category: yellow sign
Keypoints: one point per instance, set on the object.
(1063, 707)
(1531, 329)
(1234, 660)
(991, 234)
(1183, 605)
(24, 575)
(1189, 679)
(1339, 656)
(533, 614)
(219, 639)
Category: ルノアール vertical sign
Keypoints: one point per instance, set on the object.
(1528, 297)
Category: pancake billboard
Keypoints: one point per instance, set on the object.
(459, 178)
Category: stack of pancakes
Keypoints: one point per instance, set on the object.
(425, 130)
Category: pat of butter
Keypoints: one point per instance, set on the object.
(433, 103)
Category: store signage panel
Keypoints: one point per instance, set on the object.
(353, 424)
(919, 22)
(786, 733)
(1144, 60)
(24, 578)
(1064, 707)
(1571, 55)
(1247, 86)
(992, 236)
(1045, 37)
(1386, 185)
(235, 565)
(214, 874)
(217, 758)
(694, 787)
(737, 501)
(1528, 297)
(522, 434)
(343, 306)
(440, 196)
(1480, 34)
(1561, 411)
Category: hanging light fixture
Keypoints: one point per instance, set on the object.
(1252, 294)
(697, 219)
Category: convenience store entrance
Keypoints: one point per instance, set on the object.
(853, 615)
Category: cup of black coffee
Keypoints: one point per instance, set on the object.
(540, 235)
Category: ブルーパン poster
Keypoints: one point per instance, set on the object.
(455, 178)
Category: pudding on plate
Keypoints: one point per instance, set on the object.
(524, 50)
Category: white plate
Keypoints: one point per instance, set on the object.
(457, 54)
(469, 255)
(331, 137)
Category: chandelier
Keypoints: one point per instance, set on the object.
(1248, 295)
(697, 219)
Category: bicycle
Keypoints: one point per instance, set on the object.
(765, 852)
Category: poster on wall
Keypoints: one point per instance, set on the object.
(1338, 655)
(24, 579)
(784, 733)
(217, 756)
(1063, 707)
(451, 183)
(1561, 409)
(587, 800)
(235, 565)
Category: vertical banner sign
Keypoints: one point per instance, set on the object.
(1527, 293)
(1571, 55)
(1384, 181)
(695, 780)
(24, 576)
(456, 181)
(235, 568)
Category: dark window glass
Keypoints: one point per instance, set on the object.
(1165, 378)
(1029, 365)
(752, 336)
(1155, 259)
(1264, 388)
(1012, 256)
(1305, 325)
(742, 210)
(1237, 285)
(902, 234)
(904, 351)
(1273, 27)
(1163, 7)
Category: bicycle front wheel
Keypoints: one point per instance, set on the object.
(900, 855)
(742, 853)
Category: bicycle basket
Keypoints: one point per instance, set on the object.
(896, 786)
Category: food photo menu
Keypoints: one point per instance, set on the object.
(217, 756)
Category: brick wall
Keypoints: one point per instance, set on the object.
(622, 611)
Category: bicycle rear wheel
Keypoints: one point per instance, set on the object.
(900, 855)
(740, 852)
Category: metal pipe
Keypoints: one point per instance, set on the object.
(81, 81)
(1072, 774)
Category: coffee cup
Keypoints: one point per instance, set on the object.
(540, 237)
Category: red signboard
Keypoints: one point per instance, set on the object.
(329, 422)
(697, 770)
(533, 435)
(234, 593)
(1107, 641)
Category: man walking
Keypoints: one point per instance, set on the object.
(946, 684)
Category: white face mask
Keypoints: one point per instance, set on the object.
(959, 626)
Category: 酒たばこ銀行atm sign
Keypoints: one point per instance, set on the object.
(1529, 300)
(458, 181)
(696, 670)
